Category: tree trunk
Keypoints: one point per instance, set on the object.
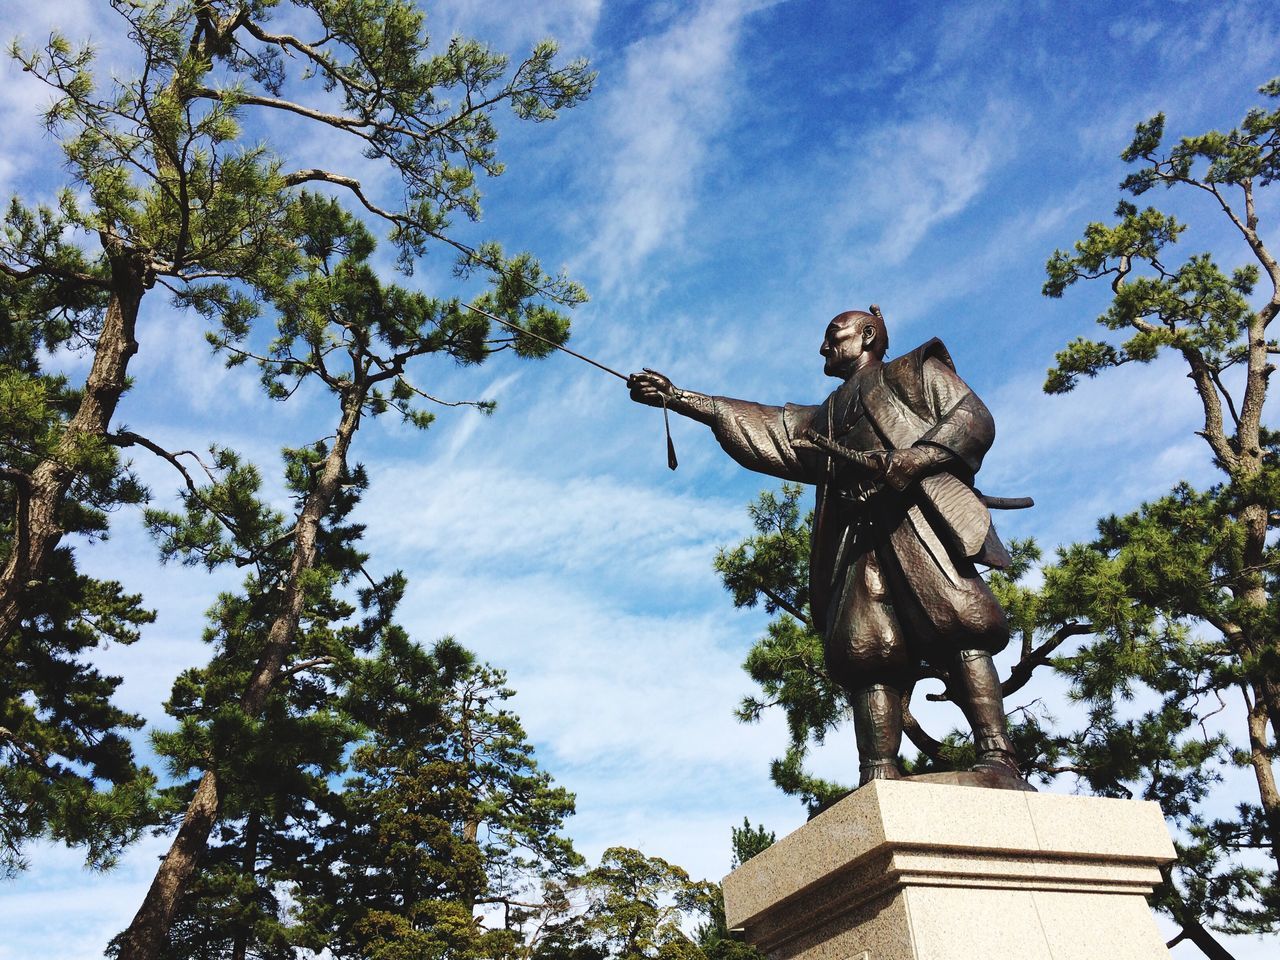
(469, 893)
(1254, 597)
(147, 933)
(248, 870)
(38, 531)
(1260, 759)
(150, 926)
(1192, 930)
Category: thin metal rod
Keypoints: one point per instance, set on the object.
(549, 343)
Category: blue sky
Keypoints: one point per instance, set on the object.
(743, 172)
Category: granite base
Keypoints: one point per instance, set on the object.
(935, 871)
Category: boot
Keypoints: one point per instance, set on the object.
(984, 707)
(877, 725)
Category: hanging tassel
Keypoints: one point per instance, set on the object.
(672, 462)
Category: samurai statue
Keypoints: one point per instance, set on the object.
(898, 528)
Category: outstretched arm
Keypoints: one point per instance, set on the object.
(761, 438)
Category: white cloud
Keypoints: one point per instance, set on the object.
(1136, 31)
(24, 98)
(481, 516)
(61, 910)
(962, 28)
(662, 122)
(1119, 439)
(914, 298)
(904, 178)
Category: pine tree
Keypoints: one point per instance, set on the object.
(274, 770)
(342, 330)
(169, 192)
(1180, 596)
(67, 770)
(446, 819)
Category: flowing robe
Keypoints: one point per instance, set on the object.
(892, 580)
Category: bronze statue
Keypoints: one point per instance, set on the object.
(897, 529)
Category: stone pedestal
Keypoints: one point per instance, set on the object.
(927, 871)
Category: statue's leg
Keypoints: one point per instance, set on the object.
(983, 705)
(877, 725)
(866, 655)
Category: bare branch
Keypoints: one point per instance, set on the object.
(46, 270)
(1021, 673)
(917, 734)
(316, 175)
(783, 604)
(1215, 373)
(342, 121)
(127, 439)
(306, 665)
(313, 53)
(37, 758)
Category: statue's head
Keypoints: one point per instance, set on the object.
(853, 339)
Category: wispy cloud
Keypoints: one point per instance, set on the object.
(27, 151)
(662, 120)
(906, 177)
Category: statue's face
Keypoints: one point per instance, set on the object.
(846, 342)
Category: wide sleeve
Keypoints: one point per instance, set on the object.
(763, 438)
(964, 426)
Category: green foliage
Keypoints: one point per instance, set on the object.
(338, 324)
(787, 662)
(180, 181)
(446, 811)
(749, 841)
(445, 798)
(639, 905)
(777, 556)
(275, 767)
(1195, 308)
(67, 771)
(1179, 598)
(1154, 588)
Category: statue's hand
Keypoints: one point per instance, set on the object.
(651, 388)
(907, 465)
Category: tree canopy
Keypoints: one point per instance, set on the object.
(186, 176)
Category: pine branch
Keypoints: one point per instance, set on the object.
(918, 735)
(477, 404)
(313, 53)
(306, 665)
(37, 759)
(783, 604)
(49, 270)
(1021, 673)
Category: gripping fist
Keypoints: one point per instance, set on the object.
(651, 388)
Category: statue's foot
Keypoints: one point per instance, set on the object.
(878, 770)
(999, 762)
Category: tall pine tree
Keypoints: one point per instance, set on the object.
(342, 331)
(66, 768)
(447, 837)
(168, 192)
